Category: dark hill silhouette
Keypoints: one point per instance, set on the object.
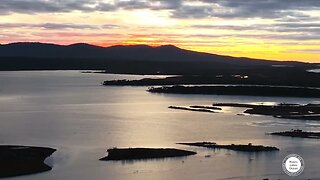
(143, 59)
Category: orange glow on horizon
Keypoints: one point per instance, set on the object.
(246, 37)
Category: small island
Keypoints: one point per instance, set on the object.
(246, 148)
(23, 160)
(288, 111)
(144, 153)
(206, 107)
(192, 109)
(298, 133)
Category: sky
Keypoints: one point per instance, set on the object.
(264, 29)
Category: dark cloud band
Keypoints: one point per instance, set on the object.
(290, 9)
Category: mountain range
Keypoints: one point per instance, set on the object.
(166, 59)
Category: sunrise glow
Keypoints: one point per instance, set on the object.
(246, 28)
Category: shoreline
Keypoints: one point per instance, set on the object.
(19, 160)
(239, 90)
(235, 147)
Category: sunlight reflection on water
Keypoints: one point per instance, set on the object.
(72, 112)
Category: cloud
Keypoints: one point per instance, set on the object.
(225, 27)
(189, 11)
(65, 26)
(293, 10)
(299, 25)
(25, 6)
(54, 6)
(306, 51)
(12, 35)
(292, 19)
(262, 9)
(58, 26)
(287, 31)
(266, 9)
(275, 27)
(111, 26)
(13, 25)
(295, 37)
(73, 34)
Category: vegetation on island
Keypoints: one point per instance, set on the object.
(247, 148)
(288, 111)
(298, 133)
(240, 90)
(144, 153)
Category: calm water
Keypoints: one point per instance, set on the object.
(72, 112)
(314, 70)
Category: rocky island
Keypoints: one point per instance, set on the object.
(23, 160)
(246, 148)
(298, 133)
(288, 111)
(144, 153)
(192, 109)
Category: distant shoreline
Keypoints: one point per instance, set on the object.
(271, 78)
(240, 90)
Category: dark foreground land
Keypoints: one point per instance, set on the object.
(247, 148)
(240, 90)
(298, 133)
(23, 160)
(144, 153)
